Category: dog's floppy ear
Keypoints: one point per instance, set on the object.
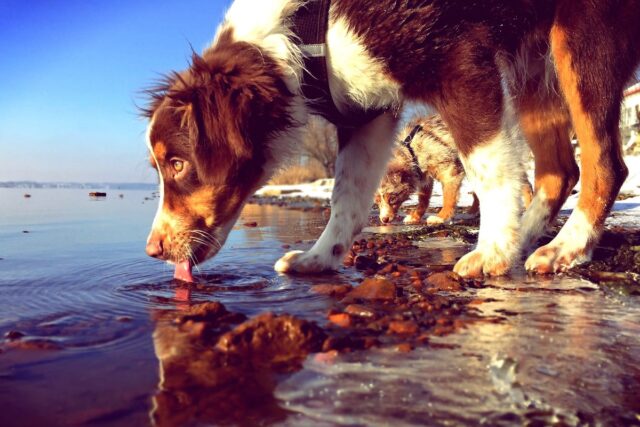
(233, 100)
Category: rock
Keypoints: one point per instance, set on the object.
(404, 347)
(364, 262)
(213, 312)
(13, 335)
(328, 357)
(97, 194)
(27, 196)
(403, 327)
(340, 319)
(332, 290)
(372, 290)
(359, 310)
(251, 224)
(272, 341)
(444, 281)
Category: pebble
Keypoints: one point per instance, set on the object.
(444, 281)
(404, 347)
(332, 290)
(364, 262)
(341, 319)
(359, 310)
(13, 335)
(373, 290)
(403, 327)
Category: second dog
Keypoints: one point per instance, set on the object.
(426, 152)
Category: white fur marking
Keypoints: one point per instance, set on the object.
(355, 76)
(495, 171)
(265, 23)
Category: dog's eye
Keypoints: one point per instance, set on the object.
(177, 165)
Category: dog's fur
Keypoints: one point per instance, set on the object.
(485, 66)
(437, 159)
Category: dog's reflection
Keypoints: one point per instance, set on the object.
(218, 368)
(197, 385)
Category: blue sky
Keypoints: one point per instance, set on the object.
(70, 76)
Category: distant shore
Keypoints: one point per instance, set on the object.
(80, 185)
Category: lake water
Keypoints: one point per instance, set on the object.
(74, 278)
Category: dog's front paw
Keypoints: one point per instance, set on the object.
(435, 220)
(411, 219)
(303, 262)
(483, 262)
(554, 258)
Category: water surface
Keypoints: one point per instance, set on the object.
(74, 278)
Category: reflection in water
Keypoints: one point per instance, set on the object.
(216, 370)
(195, 387)
(567, 353)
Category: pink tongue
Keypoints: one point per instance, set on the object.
(183, 271)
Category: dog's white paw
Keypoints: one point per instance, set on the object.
(483, 262)
(304, 262)
(411, 220)
(435, 220)
(554, 258)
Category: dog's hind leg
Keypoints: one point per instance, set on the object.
(361, 162)
(545, 122)
(593, 63)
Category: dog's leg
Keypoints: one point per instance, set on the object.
(424, 197)
(592, 88)
(450, 191)
(491, 153)
(545, 122)
(493, 172)
(359, 168)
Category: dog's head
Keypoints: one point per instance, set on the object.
(398, 184)
(211, 138)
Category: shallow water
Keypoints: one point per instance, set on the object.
(80, 284)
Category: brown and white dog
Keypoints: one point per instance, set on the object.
(220, 128)
(431, 155)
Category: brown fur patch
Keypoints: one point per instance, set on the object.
(598, 180)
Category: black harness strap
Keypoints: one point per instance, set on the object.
(407, 144)
(310, 25)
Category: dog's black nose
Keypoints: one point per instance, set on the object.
(154, 246)
(385, 219)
